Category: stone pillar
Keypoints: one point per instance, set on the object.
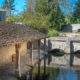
(49, 45)
(68, 50)
(71, 53)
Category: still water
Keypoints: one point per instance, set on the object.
(64, 74)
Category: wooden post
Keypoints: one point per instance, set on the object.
(32, 54)
(18, 69)
(38, 59)
(30, 50)
(27, 54)
(30, 58)
(44, 58)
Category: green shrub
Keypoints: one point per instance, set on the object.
(37, 21)
(52, 32)
(78, 30)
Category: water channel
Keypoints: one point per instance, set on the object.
(64, 74)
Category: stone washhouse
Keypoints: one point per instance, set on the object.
(15, 39)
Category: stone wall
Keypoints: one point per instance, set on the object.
(6, 52)
(68, 47)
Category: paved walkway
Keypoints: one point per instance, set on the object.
(7, 72)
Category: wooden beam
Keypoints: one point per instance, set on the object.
(30, 50)
(38, 59)
(30, 53)
(18, 68)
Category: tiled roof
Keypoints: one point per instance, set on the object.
(15, 33)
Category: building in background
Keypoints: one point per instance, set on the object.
(71, 28)
(2, 14)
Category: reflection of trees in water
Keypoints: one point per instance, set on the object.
(54, 72)
(51, 74)
(78, 74)
(61, 74)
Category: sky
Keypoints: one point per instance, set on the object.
(20, 6)
(71, 4)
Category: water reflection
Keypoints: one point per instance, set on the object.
(65, 74)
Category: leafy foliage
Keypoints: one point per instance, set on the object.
(76, 13)
(8, 4)
(37, 21)
(51, 8)
(56, 18)
(42, 6)
(52, 32)
(45, 16)
(68, 18)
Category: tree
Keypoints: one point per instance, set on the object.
(47, 15)
(5, 4)
(57, 18)
(9, 6)
(42, 6)
(76, 13)
(68, 18)
(31, 6)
